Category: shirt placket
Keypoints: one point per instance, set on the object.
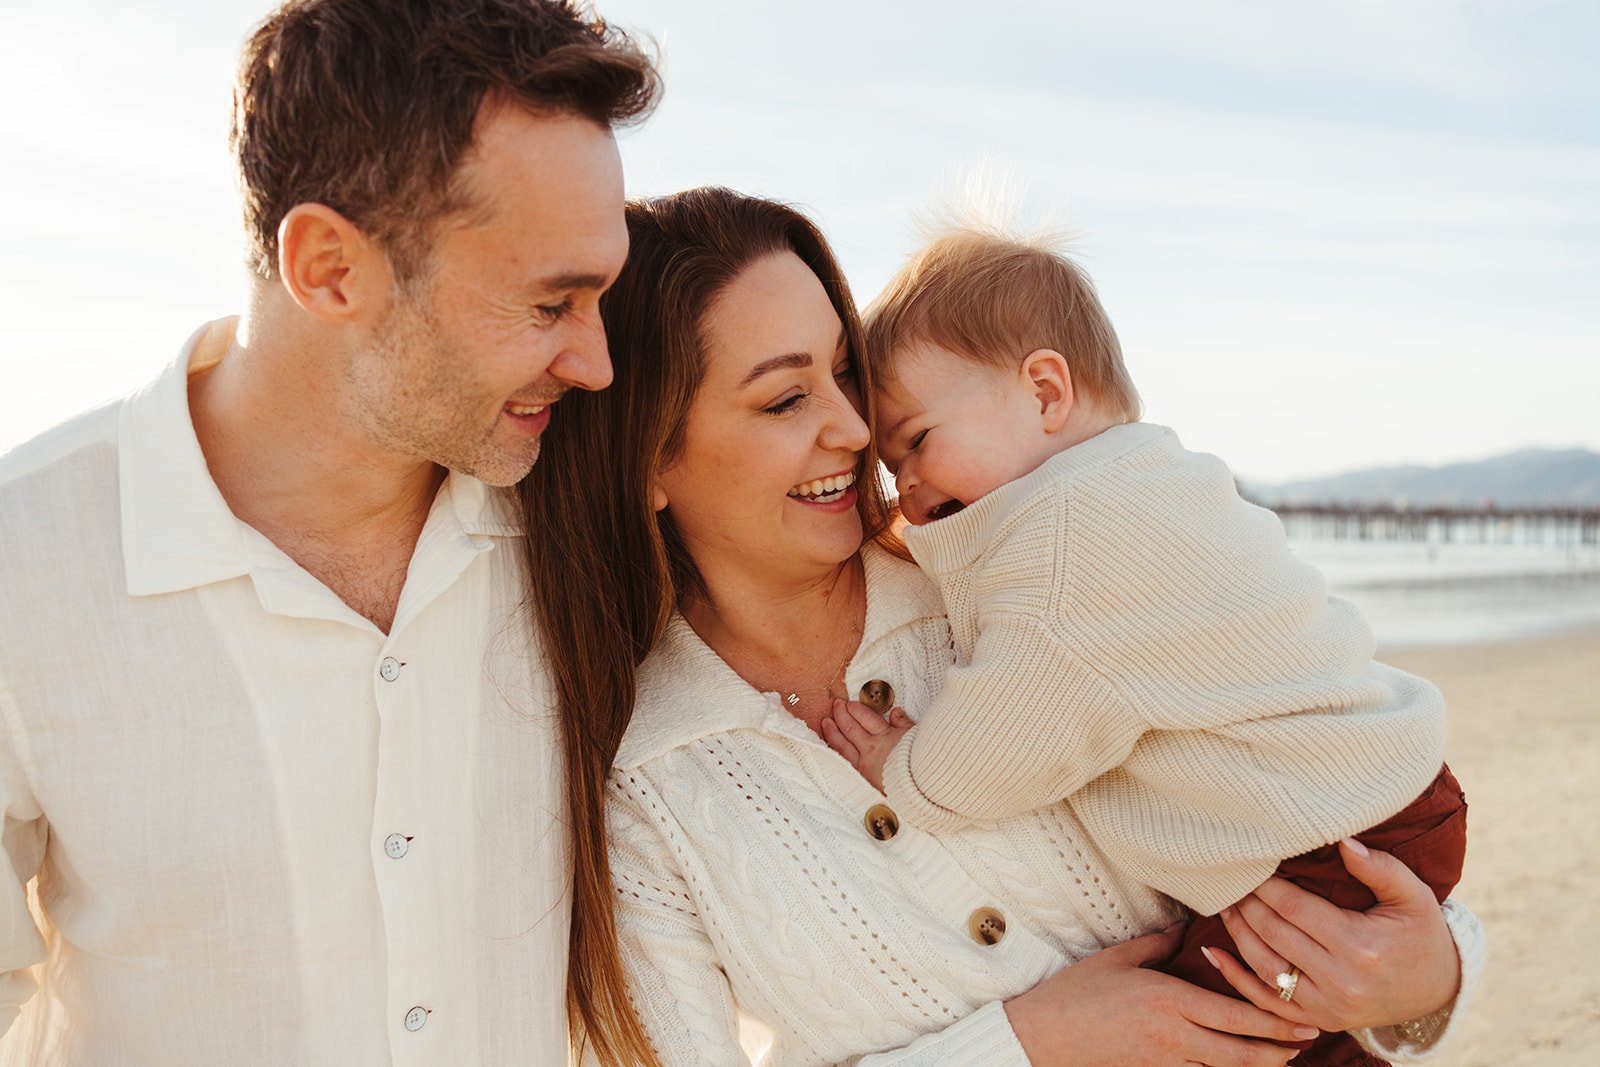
(404, 836)
(414, 813)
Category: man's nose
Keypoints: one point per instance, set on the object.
(584, 361)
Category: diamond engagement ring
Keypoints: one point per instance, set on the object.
(1287, 980)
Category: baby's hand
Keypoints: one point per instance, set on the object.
(863, 737)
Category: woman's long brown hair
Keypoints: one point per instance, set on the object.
(606, 569)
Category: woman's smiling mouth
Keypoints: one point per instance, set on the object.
(824, 490)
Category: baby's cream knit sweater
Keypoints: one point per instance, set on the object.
(1132, 636)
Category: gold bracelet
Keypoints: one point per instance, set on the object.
(1425, 1031)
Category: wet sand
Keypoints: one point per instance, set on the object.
(1525, 741)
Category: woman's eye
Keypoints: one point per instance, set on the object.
(787, 404)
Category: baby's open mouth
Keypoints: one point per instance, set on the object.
(945, 510)
(824, 490)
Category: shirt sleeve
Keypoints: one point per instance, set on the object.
(682, 995)
(1419, 1041)
(1021, 725)
(23, 839)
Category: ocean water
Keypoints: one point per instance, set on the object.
(1422, 593)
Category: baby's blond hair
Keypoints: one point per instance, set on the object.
(994, 297)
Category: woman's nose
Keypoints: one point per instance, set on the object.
(845, 431)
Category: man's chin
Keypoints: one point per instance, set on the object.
(503, 470)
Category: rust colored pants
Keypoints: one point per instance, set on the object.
(1429, 836)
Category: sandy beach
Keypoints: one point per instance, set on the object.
(1525, 742)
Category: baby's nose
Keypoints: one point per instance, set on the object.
(904, 481)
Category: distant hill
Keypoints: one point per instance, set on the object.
(1529, 477)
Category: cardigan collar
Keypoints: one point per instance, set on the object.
(687, 692)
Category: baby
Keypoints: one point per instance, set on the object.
(1129, 635)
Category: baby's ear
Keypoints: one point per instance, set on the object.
(1046, 373)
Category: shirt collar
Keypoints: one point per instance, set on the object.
(177, 531)
(686, 691)
(484, 509)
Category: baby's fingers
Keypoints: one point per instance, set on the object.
(839, 743)
(860, 715)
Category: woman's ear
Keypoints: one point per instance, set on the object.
(1045, 372)
(658, 496)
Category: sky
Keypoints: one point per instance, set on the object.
(1330, 235)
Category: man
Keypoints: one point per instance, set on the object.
(274, 739)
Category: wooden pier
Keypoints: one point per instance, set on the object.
(1487, 524)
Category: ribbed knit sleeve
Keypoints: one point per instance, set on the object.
(1023, 723)
(1233, 707)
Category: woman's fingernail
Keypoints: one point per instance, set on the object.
(1206, 952)
(1306, 1033)
(1354, 846)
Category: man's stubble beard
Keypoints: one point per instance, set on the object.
(415, 398)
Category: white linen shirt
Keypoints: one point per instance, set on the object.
(263, 831)
(772, 909)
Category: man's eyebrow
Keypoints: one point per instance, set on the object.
(788, 359)
(562, 282)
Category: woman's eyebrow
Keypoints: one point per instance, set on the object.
(788, 359)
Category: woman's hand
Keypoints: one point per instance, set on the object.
(1110, 1010)
(1391, 964)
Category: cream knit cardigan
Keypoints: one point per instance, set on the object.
(753, 901)
(1132, 635)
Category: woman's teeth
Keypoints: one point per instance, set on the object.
(824, 490)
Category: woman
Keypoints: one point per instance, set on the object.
(717, 511)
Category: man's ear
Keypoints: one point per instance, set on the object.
(1046, 373)
(329, 266)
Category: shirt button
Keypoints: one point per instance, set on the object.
(986, 926)
(878, 695)
(881, 822)
(416, 1018)
(396, 845)
(389, 669)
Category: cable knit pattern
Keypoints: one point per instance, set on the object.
(749, 888)
(1131, 635)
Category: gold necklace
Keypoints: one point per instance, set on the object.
(792, 697)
